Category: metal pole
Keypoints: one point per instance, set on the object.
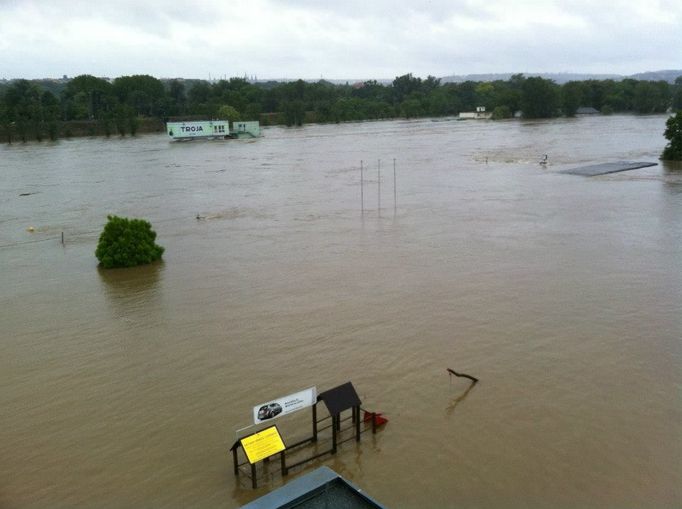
(395, 192)
(236, 461)
(254, 483)
(362, 189)
(379, 188)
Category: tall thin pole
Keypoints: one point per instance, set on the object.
(395, 192)
(379, 188)
(362, 189)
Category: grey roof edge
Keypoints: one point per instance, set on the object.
(594, 170)
(300, 487)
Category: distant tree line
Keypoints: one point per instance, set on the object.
(28, 110)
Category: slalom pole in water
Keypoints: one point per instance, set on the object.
(395, 192)
(379, 186)
(362, 190)
(463, 375)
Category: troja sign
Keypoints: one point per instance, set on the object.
(285, 405)
(198, 129)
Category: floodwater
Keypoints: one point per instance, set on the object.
(562, 294)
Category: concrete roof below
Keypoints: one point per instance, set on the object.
(321, 488)
(604, 168)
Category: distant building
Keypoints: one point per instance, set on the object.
(586, 110)
(479, 114)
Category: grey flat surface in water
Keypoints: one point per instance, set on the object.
(602, 169)
(561, 294)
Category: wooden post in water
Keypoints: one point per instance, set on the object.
(334, 434)
(62, 238)
(314, 422)
(285, 470)
(235, 460)
(356, 420)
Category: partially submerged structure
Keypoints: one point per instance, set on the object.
(212, 129)
(479, 114)
(257, 446)
(586, 110)
(604, 168)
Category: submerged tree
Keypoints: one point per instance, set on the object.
(127, 242)
(673, 132)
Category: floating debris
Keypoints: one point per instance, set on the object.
(463, 375)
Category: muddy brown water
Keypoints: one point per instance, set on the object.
(561, 293)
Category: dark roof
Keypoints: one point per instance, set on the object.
(340, 398)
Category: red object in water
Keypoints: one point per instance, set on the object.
(378, 419)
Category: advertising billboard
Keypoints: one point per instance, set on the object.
(285, 405)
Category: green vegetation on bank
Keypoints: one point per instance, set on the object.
(121, 106)
(127, 242)
(673, 133)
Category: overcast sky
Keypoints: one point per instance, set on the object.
(355, 39)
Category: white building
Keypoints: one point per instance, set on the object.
(480, 113)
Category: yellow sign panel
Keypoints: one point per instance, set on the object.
(263, 444)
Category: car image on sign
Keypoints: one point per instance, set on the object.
(269, 411)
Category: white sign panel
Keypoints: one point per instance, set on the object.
(283, 406)
(200, 129)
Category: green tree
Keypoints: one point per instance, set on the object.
(227, 112)
(502, 112)
(677, 94)
(467, 95)
(539, 98)
(50, 111)
(5, 124)
(144, 93)
(651, 97)
(24, 108)
(411, 108)
(294, 112)
(405, 85)
(87, 97)
(178, 97)
(673, 133)
(571, 98)
(125, 119)
(127, 242)
(485, 95)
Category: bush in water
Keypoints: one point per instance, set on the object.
(127, 242)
